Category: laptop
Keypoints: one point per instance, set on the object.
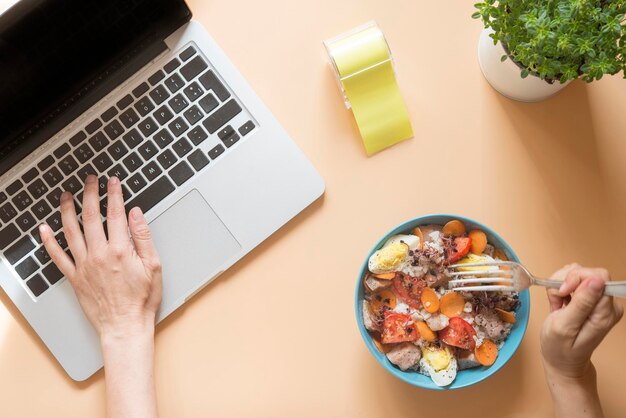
(138, 90)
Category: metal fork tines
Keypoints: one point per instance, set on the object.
(493, 279)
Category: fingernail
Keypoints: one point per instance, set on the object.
(137, 214)
(113, 180)
(66, 196)
(562, 288)
(596, 284)
(91, 178)
(42, 229)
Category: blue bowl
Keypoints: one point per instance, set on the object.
(464, 378)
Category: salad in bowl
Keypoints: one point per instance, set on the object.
(422, 329)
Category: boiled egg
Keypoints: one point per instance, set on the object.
(393, 253)
(439, 364)
(475, 259)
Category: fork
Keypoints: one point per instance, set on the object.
(513, 279)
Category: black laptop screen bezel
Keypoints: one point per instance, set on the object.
(26, 110)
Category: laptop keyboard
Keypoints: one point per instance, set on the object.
(154, 140)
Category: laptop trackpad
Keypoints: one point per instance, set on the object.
(193, 244)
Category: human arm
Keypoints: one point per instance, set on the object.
(580, 317)
(119, 286)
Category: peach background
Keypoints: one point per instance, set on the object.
(276, 335)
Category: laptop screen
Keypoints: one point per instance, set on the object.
(50, 49)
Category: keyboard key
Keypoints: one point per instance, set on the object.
(172, 65)
(159, 94)
(86, 171)
(52, 177)
(182, 147)
(98, 141)
(226, 132)
(174, 83)
(197, 135)
(68, 165)
(210, 82)
(163, 138)
(152, 195)
(133, 138)
(93, 127)
(118, 171)
(14, 187)
(132, 162)
(25, 221)
(144, 106)
(125, 102)
(166, 159)
(152, 170)
(136, 182)
(208, 103)
(178, 103)
(198, 160)
(3, 197)
(41, 209)
(147, 150)
(42, 255)
(83, 153)
(30, 175)
(37, 188)
(18, 250)
(141, 89)
(102, 162)
(193, 115)
(114, 130)
(72, 185)
(61, 150)
(231, 140)
(60, 237)
(37, 285)
(27, 268)
(148, 127)
(54, 221)
(102, 185)
(52, 274)
(222, 116)
(193, 91)
(181, 173)
(7, 235)
(54, 197)
(178, 126)
(129, 117)
(216, 151)
(246, 128)
(35, 234)
(109, 114)
(193, 68)
(46, 163)
(163, 115)
(78, 138)
(187, 53)
(22, 200)
(156, 77)
(7, 212)
(117, 150)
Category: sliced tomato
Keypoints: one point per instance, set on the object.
(459, 333)
(408, 289)
(398, 328)
(460, 248)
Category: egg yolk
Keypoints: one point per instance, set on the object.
(438, 359)
(391, 256)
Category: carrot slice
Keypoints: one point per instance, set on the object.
(454, 228)
(381, 299)
(383, 348)
(430, 300)
(508, 317)
(499, 254)
(451, 304)
(418, 232)
(425, 331)
(479, 241)
(486, 353)
(385, 276)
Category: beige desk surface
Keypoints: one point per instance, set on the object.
(276, 336)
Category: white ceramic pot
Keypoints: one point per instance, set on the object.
(505, 76)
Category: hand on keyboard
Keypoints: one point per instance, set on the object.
(117, 280)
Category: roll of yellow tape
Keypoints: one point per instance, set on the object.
(363, 67)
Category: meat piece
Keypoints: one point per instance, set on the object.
(436, 279)
(506, 302)
(489, 250)
(437, 322)
(432, 233)
(405, 356)
(493, 326)
(375, 284)
(466, 360)
(368, 319)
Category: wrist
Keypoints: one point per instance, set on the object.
(581, 375)
(128, 329)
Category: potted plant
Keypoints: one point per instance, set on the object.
(531, 49)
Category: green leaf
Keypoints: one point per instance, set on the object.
(475, 15)
(525, 73)
(503, 58)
